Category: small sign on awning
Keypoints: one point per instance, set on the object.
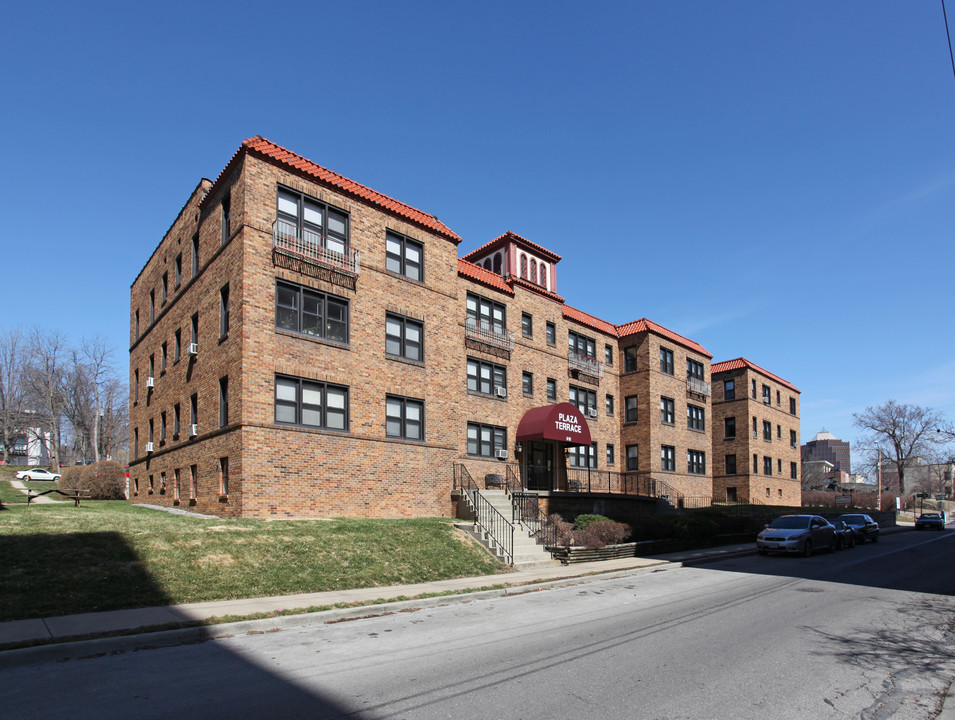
(562, 422)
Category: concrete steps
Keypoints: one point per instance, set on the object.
(528, 555)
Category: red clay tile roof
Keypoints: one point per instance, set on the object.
(740, 363)
(271, 152)
(572, 313)
(534, 287)
(485, 277)
(644, 325)
(513, 237)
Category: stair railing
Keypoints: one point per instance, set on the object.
(497, 528)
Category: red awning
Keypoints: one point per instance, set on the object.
(562, 422)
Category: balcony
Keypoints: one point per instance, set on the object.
(293, 241)
(697, 387)
(585, 364)
(489, 334)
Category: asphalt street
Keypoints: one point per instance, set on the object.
(864, 633)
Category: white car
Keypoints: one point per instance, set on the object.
(37, 474)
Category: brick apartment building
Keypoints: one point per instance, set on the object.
(755, 435)
(304, 346)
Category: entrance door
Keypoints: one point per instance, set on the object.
(539, 470)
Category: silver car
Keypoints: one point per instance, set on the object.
(797, 534)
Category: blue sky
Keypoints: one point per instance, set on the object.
(773, 180)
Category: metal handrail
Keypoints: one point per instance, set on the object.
(487, 333)
(309, 245)
(498, 529)
(695, 385)
(585, 364)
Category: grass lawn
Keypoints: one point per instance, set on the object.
(106, 555)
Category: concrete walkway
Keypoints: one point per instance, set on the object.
(43, 499)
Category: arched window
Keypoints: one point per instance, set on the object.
(543, 275)
(533, 270)
(497, 263)
(524, 266)
(487, 264)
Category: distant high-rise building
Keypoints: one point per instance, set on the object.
(826, 446)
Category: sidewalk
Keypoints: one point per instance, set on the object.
(89, 625)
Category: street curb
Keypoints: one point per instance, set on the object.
(91, 648)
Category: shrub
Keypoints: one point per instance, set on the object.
(609, 532)
(105, 480)
(582, 522)
(70, 478)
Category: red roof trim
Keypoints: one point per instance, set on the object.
(645, 325)
(510, 237)
(534, 287)
(740, 363)
(485, 277)
(572, 313)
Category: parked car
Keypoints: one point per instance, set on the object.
(37, 474)
(930, 521)
(864, 527)
(797, 534)
(845, 537)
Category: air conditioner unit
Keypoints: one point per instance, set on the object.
(150, 381)
(193, 430)
(592, 413)
(149, 447)
(500, 454)
(192, 349)
(501, 392)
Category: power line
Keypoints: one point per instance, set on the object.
(949, 36)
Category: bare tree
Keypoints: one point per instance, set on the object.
(49, 353)
(12, 388)
(100, 370)
(900, 433)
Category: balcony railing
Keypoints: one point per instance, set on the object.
(695, 385)
(487, 333)
(314, 247)
(585, 364)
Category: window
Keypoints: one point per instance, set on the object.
(754, 389)
(630, 412)
(609, 405)
(667, 412)
(792, 470)
(582, 455)
(177, 277)
(694, 369)
(666, 361)
(135, 386)
(629, 359)
(193, 482)
(527, 383)
(608, 355)
(778, 398)
(152, 366)
(611, 455)
(779, 466)
(792, 406)
(152, 306)
(404, 338)
(755, 431)
(136, 442)
(533, 270)
(767, 466)
(176, 419)
(779, 432)
(585, 400)
(551, 390)
(223, 476)
(137, 324)
(150, 430)
(310, 403)
(755, 463)
(404, 418)
(695, 417)
(404, 256)
(194, 410)
(165, 288)
(767, 396)
(582, 346)
(767, 492)
(195, 254)
(194, 329)
(551, 332)
(223, 401)
(524, 266)
(729, 428)
(162, 427)
(485, 314)
(486, 378)
(302, 310)
(527, 325)
(731, 494)
(177, 345)
(767, 431)
(633, 457)
(176, 484)
(668, 458)
(696, 462)
(729, 464)
(224, 311)
(792, 439)
(313, 223)
(226, 219)
(729, 389)
(486, 440)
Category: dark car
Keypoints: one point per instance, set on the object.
(796, 534)
(930, 521)
(845, 537)
(864, 527)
